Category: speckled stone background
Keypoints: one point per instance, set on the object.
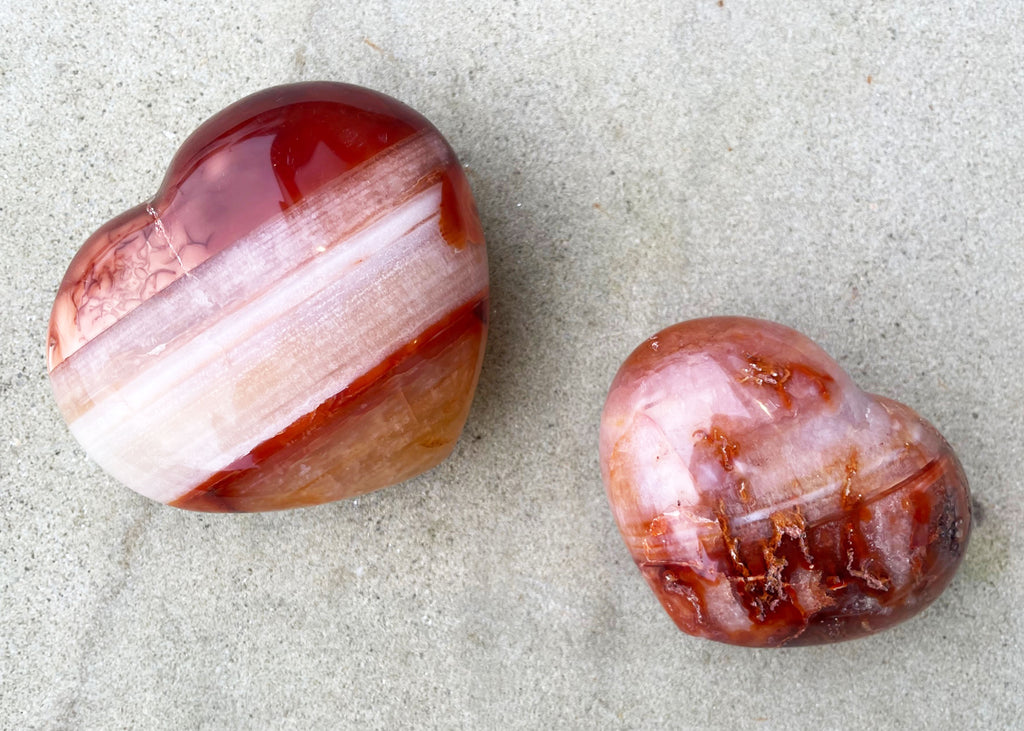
(851, 168)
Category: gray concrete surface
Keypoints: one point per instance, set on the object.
(852, 168)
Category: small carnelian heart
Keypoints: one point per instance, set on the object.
(298, 315)
(766, 499)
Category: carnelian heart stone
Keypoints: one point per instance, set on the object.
(766, 499)
(297, 316)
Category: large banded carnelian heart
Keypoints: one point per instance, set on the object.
(297, 316)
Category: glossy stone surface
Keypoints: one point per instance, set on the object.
(769, 501)
(297, 316)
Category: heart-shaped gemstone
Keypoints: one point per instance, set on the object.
(766, 499)
(297, 316)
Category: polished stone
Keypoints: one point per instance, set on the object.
(766, 499)
(297, 316)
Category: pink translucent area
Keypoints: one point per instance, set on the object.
(765, 498)
(252, 161)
